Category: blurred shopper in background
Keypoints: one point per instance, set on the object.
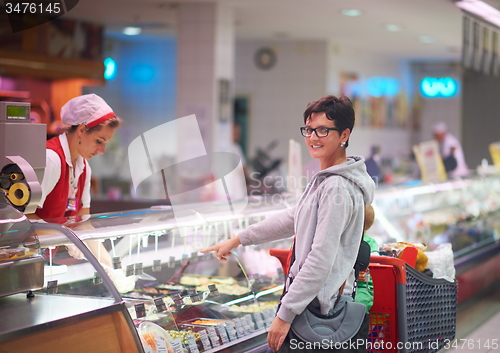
(451, 151)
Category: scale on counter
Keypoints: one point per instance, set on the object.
(22, 156)
(22, 162)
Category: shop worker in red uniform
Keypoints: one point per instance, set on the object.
(66, 181)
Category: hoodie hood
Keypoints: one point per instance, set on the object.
(355, 171)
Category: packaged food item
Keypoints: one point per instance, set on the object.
(12, 254)
(154, 338)
(396, 250)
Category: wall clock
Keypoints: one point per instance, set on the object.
(265, 58)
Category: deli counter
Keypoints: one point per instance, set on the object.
(158, 293)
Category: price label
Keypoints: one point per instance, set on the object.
(138, 268)
(129, 270)
(259, 321)
(214, 338)
(250, 327)
(221, 330)
(194, 256)
(176, 297)
(97, 278)
(161, 344)
(177, 345)
(156, 265)
(205, 340)
(140, 310)
(231, 332)
(117, 263)
(160, 305)
(214, 292)
(52, 287)
(191, 343)
(193, 294)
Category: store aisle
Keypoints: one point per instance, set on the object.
(486, 339)
(478, 325)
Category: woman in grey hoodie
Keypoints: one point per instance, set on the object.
(327, 220)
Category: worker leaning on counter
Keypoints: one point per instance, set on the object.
(66, 181)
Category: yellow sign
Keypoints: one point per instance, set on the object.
(429, 161)
(495, 154)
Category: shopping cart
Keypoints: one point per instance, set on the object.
(411, 312)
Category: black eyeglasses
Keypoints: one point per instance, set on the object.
(321, 131)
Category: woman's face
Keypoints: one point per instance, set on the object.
(326, 149)
(95, 142)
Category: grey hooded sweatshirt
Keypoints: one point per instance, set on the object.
(328, 224)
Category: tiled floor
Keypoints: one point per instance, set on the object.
(478, 325)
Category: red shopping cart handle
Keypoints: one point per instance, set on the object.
(283, 255)
(399, 265)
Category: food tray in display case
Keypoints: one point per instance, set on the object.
(21, 265)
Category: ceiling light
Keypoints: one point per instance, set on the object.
(392, 27)
(350, 12)
(132, 31)
(426, 39)
(481, 9)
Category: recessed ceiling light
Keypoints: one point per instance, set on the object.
(426, 39)
(350, 12)
(132, 31)
(392, 27)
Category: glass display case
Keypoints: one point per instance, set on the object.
(177, 298)
(174, 298)
(43, 320)
(463, 212)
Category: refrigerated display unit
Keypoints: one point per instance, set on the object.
(171, 297)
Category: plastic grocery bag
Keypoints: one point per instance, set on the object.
(441, 262)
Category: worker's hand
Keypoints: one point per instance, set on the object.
(277, 333)
(224, 248)
(73, 251)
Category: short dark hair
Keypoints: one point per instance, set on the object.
(339, 110)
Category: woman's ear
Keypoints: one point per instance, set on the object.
(345, 135)
(81, 130)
